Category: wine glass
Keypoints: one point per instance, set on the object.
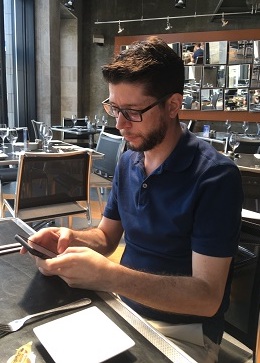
(3, 134)
(12, 137)
(46, 134)
(245, 127)
(228, 125)
(74, 120)
(234, 141)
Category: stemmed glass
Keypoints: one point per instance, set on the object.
(74, 120)
(245, 127)
(46, 133)
(3, 134)
(12, 137)
(258, 128)
(228, 125)
(234, 141)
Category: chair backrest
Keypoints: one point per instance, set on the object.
(112, 146)
(36, 128)
(51, 179)
(188, 102)
(241, 319)
(199, 59)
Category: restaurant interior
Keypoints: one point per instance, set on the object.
(51, 89)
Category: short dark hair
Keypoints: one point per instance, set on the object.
(151, 63)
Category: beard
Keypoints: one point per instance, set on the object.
(152, 139)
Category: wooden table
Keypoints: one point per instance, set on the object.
(24, 290)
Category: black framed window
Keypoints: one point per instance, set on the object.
(18, 54)
(3, 99)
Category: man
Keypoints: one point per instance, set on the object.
(197, 52)
(177, 200)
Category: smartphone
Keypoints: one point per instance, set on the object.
(34, 248)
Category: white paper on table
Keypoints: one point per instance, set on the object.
(86, 336)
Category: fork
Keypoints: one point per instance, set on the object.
(18, 323)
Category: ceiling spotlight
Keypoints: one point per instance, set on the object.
(224, 23)
(180, 4)
(69, 5)
(120, 30)
(168, 24)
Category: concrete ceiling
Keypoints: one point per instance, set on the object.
(237, 6)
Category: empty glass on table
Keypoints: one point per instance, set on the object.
(228, 125)
(234, 141)
(46, 134)
(3, 134)
(245, 127)
(12, 137)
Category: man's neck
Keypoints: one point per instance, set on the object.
(155, 157)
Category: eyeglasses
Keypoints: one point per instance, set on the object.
(128, 113)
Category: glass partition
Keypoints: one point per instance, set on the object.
(254, 100)
(193, 53)
(212, 99)
(214, 76)
(176, 47)
(236, 99)
(238, 75)
(216, 52)
(240, 51)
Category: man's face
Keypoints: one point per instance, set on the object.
(140, 136)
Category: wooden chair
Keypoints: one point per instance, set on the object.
(51, 185)
(242, 317)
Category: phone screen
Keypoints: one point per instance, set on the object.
(34, 248)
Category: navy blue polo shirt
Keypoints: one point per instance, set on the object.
(191, 202)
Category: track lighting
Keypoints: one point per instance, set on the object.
(224, 23)
(168, 24)
(69, 5)
(180, 4)
(120, 30)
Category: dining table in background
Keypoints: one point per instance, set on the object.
(24, 290)
(248, 162)
(7, 158)
(79, 131)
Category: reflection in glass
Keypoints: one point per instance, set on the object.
(236, 99)
(216, 52)
(255, 80)
(192, 53)
(176, 47)
(238, 75)
(254, 100)
(212, 99)
(214, 76)
(191, 95)
(240, 51)
(257, 52)
(193, 75)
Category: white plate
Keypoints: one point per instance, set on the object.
(86, 336)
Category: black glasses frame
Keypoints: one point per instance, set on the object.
(110, 109)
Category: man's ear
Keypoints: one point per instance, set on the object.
(175, 104)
